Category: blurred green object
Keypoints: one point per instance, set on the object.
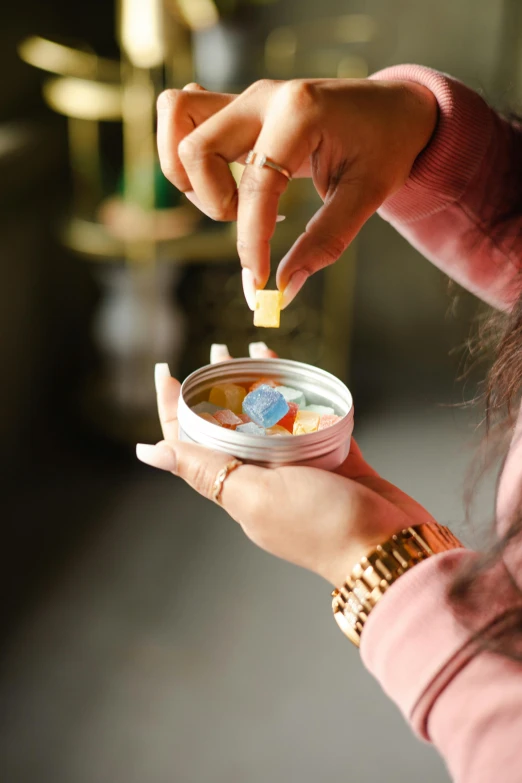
(165, 195)
(227, 7)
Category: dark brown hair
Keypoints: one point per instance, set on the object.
(501, 336)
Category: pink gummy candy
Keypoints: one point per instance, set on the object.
(326, 421)
(228, 419)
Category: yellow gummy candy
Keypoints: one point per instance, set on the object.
(276, 430)
(268, 307)
(306, 421)
(209, 418)
(229, 396)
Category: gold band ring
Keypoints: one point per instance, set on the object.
(264, 162)
(221, 477)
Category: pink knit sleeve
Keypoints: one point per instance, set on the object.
(423, 652)
(461, 187)
(421, 647)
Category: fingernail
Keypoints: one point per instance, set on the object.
(295, 284)
(257, 350)
(191, 196)
(280, 218)
(219, 353)
(159, 456)
(161, 371)
(249, 288)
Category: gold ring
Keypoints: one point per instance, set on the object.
(221, 477)
(265, 162)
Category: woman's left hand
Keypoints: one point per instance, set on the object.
(323, 521)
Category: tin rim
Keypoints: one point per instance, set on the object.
(284, 447)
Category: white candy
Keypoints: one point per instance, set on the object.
(322, 410)
(206, 407)
(292, 395)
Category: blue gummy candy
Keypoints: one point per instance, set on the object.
(265, 406)
(250, 429)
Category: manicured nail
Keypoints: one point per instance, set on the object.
(258, 350)
(161, 371)
(249, 288)
(280, 218)
(159, 456)
(295, 284)
(219, 353)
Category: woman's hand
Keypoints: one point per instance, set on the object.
(356, 138)
(319, 520)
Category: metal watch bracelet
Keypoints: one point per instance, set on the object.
(377, 571)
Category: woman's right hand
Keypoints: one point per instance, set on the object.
(356, 138)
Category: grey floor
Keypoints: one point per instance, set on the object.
(168, 648)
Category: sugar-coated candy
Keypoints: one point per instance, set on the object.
(244, 418)
(288, 421)
(264, 382)
(268, 308)
(305, 422)
(227, 419)
(206, 407)
(265, 406)
(328, 421)
(277, 430)
(322, 410)
(292, 395)
(208, 417)
(229, 396)
(250, 429)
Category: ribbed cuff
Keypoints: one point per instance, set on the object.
(443, 171)
(415, 641)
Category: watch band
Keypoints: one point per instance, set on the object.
(375, 573)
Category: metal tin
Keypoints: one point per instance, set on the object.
(326, 449)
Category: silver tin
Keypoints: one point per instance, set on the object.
(326, 449)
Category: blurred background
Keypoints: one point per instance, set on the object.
(142, 637)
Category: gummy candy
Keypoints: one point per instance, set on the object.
(292, 395)
(265, 406)
(322, 410)
(269, 408)
(288, 421)
(328, 421)
(250, 429)
(305, 422)
(227, 419)
(277, 430)
(206, 407)
(264, 382)
(228, 395)
(209, 417)
(268, 307)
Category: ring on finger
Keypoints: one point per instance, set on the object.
(221, 477)
(265, 162)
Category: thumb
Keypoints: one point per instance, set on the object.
(326, 236)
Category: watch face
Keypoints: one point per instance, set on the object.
(346, 626)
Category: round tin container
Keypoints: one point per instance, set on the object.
(326, 449)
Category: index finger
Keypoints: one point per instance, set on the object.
(287, 139)
(179, 113)
(167, 393)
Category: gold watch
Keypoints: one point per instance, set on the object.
(375, 573)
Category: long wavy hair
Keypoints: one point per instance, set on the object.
(500, 336)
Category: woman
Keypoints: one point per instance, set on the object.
(446, 171)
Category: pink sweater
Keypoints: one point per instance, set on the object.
(467, 702)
